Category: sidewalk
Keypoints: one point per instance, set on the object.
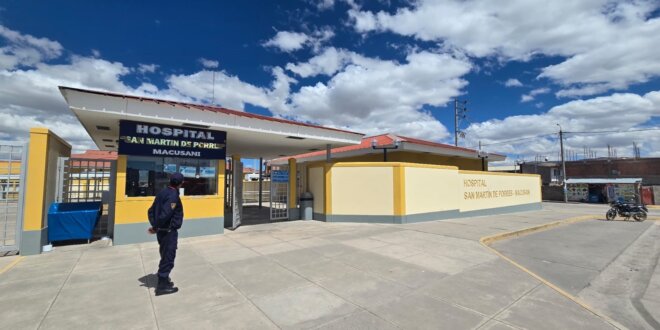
(302, 274)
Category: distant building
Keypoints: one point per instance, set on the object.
(600, 179)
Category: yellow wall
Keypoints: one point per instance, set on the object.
(362, 189)
(44, 149)
(431, 189)
(399, 189)
(134, 209)
(484, 190)
(315, 184)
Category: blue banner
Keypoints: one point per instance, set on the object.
(149, 139)
(279, 176)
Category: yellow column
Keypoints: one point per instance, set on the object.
(327, 172)
(293, 188)
(399, 184)
(35, 191)
(41, 177)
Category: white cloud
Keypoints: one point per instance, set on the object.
(229, 91)
(324, 4)
(607, 44)
(25, 50)
(209, 64)
(147, 68)
(512, 82)
(287, 41)
(327, 63)
(616, 112)
(532, 94)
(29, 97)
(361, 93)
(374, 96)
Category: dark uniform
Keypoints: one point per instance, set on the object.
(166, 218)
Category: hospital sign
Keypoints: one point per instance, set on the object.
(149, 139)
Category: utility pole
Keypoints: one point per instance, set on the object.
(459, 112)
(563, 162)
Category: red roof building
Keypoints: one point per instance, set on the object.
(402, 149)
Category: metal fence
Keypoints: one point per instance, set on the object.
(13, 161)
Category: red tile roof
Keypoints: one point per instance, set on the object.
(96, 155)
(206, 108)
(382, 140)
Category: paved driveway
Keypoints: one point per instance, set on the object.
(302, 274)
(612, 265)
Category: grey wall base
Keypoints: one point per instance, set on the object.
(32, 241)
(421, 217)
(294, 213)
(137, 232)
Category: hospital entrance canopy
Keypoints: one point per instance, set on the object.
(248, 135)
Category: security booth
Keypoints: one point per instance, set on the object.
(155, 137)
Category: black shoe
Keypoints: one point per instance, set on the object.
(169, 280)
(164, 287)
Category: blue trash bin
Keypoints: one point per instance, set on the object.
(67, 221)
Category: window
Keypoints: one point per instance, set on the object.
(146, 176)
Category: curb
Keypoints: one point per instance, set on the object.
(11, 265)
(485, 241)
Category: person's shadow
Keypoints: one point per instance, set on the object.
(149, 281)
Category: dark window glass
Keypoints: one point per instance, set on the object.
(146, 176)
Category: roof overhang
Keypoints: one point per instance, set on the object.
(404, 146)
(248, 135)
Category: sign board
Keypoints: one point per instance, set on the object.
(149, 139)
(279, 176)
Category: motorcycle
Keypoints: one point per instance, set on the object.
(627, 210)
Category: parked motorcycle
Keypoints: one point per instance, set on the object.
(627, 210)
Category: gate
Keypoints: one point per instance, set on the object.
(237, 194)
(89, 180)
(13, 165)
(279, 195)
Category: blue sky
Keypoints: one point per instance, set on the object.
(372, 67)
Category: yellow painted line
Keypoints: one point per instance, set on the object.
(516, 233)
(11, 265)
(485, 241)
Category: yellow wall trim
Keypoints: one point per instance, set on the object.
(327, 169)
(399, 178)
(293, 184)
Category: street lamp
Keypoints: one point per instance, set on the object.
(375, 146)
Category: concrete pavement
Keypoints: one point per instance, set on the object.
(607, 264)
(302, 274)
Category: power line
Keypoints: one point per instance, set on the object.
(517, 139)
(609, 132)
(567, 132)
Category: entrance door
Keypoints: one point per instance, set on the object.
(13, 161)
(237, 193)
(279, 195)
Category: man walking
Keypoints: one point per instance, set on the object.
(166, 217)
